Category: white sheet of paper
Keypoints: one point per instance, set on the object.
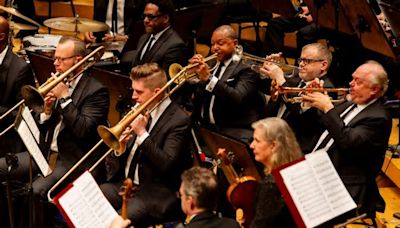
(27, 116)
(316, 189)
(86, 205)
(33, 148)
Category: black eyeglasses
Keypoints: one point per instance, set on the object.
(62, 59)
(150, 16)
(308, 61)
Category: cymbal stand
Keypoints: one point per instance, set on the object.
(77, 21)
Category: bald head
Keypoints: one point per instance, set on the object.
(4, 28)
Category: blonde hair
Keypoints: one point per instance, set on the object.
(378, 76)
(276, 130)
(151, 74)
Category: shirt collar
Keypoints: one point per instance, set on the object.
(3, 55)
(158, 111)
(158, 35)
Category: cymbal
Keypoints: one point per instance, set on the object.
(20, 26)
(74, 24)
(15, 12)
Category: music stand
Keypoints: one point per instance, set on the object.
(367, 27)
(242, 158)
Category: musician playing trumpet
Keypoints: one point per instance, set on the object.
(314, 63)
(156, 153)
(72, 112)
(227, 99)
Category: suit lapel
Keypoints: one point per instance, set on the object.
(164, 118)
(8, 82)
(148, 57)
(80, 87)
(229, 70)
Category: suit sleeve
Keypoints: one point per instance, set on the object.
(85, 120)
(168, 154)
(372, 131)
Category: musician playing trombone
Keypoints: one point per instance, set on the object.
(153, 152)
(72, 111)
(314, 62)
(227, 99)
(14, 73)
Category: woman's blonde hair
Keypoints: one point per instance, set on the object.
(276, 130)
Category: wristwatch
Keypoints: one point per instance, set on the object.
(64, 99)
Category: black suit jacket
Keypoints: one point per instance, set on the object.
(238, 102)
(168, 49)
(358, 151)
(162, 157)
(302, 122)
(14, 73)
(88, 109)
(210, 220)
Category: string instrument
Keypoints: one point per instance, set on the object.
(241, 192)
(128, 189)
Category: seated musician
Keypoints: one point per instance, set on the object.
(274, 144)
(199, 193)
(314, 63)
(228, 99)
(356, 134)
(72, 112)
(14, 73)
(156, 153)
(160, 43)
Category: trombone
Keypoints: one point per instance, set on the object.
(34, 97)
(111, 136)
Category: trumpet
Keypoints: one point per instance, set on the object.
(276, 90)
(177, 69)
(256, 62)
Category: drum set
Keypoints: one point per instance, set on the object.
(47, 42)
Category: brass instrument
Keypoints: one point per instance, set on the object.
(256, 62)
(276, 90)
(33, 97)
(176, 68)
(111, 136)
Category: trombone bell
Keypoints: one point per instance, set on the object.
(111, 136)
(33, 98)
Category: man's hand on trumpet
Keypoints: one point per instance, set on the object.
(272, 70)
(60, 90)
(318, 100)
(202, 69)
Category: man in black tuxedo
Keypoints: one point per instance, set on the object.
(314, 63)
(160, 43)
(156, 153)
(199, 195)
(357, 133)
(14, 73)
(120, 18)
(68, 124)
(227, 100)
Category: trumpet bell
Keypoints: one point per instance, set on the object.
(174, 69)
(33, 98)
(110, 136)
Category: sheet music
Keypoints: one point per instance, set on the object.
(85, 204)
(316, 189)
(27, 116)
(32, 147)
